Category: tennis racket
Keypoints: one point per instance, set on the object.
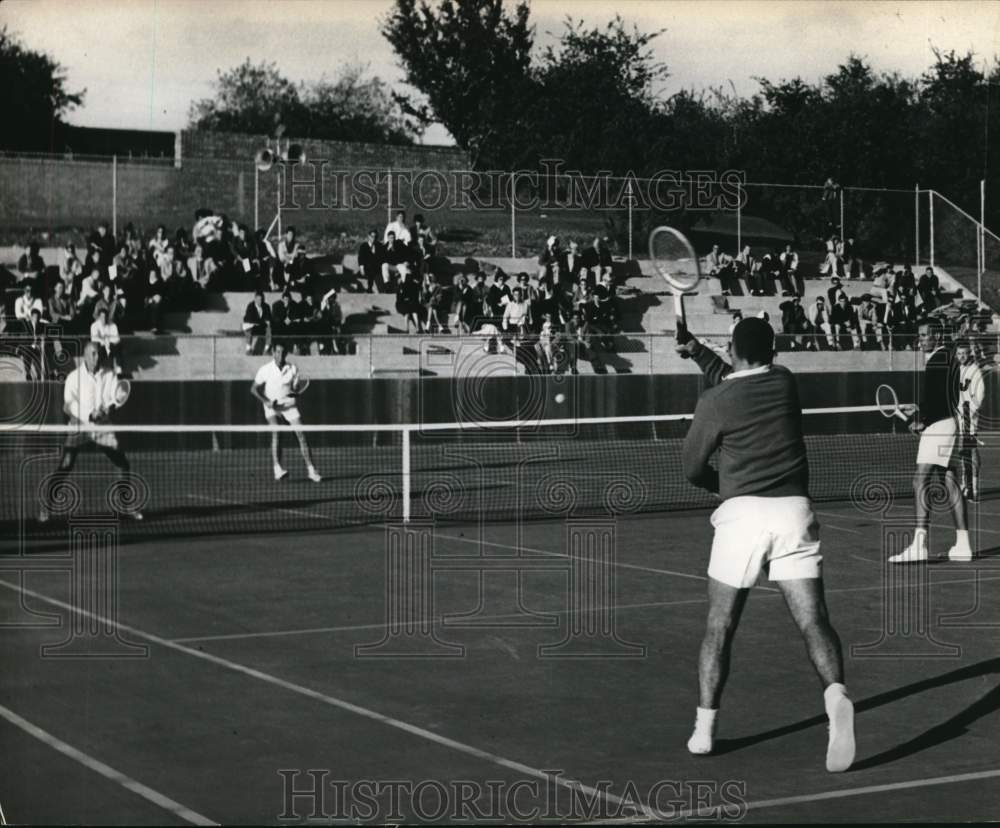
(121, 393)
(675, 261)
(888, 404)
(300, 385)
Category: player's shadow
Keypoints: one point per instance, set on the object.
(951, 728)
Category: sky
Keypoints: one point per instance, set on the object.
(142, 62)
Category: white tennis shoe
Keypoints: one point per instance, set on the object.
(914, 553)
(961, 553)
(840, 748)
(280, 473)
(314, 475)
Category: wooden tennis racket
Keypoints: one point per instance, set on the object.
(674, 259)
(888, 404)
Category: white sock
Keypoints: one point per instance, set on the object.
(962, 538)
(832, 693)
(704, 729)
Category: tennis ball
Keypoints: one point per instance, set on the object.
(560, 398)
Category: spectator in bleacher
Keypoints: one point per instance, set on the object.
(332, 322)
(285, 254)
(737, 317)
(27, 302)
(104, 334)
(30, 264)
(528, 291)
(109, 304)
(103, 242)
(34, 346)
(154, 300)
(257, 324)
(423, 236)
(570, 268)
(597, 259)
(516, 316)
(399, 231)
(713, 261)
(182, 244)
(62, 313)
(281, 321)
(770, 270)
(462, 306)
(789, 260)
(834, 291)
(905, 280)
(745, 267)
(313, 325)
(844, 324)
(549, 259)
(869, 326)
(929, 289)
(201, 267)
(819, 323)
(242, 253)
(408, 302)
(794, 324)
(158, 244)
(480, 300)
(371, 254)
(728, 276)
(396, 261)
(547, 307)
(71, 268)
(267, 262)
(852, 262)
(829, 266)
(498, 296)
(606, 297)
(547, 356)
(432, 299)
(422, 256)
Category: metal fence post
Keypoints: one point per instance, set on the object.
(916, 223)
(842, 234)
(930, 197)
(114, 196)
(513, 219)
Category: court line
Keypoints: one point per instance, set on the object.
(96, 765)
(441, 622)
(333, 701)
(621, 564)
(435, 621)
(820, 796)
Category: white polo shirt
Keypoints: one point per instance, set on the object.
(277, 381)
(84, 392)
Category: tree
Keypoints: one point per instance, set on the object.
(471, 61)
(255, 98)
(34, 96)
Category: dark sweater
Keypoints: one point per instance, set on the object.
(939, 389)
(755, 424)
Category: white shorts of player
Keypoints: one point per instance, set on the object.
(937, 442)
(291, 414)
(778, 535)
(107, 439)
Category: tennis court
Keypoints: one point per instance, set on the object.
(491, 669)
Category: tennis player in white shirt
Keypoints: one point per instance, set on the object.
(88, 399)
(276, 388)
(971, 391)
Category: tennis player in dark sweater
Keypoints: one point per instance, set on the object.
(937, 426)
(751, 419)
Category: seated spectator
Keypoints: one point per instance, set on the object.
(396, 261)
(516, 316)
(755, 279)
(551, 257)
(547, 353)
(71, 268)
(528, 291)
(62, 312)
(282, 321)
(311, 324)
(422, 233)
(201, 267)
(819, 324)
(30, 265)
(371, 255)
(288, 251)
(109, 304)
(154, 300)
(929, 289)
(597, 259)
(182, 244)
(844, 324)
(241, 251)
(569, 267)
(745, 266)
(408, 302)
(789, 261)
(830, 266)
(713, 262)
(904, 280)
(794, 323)
(737, 317)
(432, 300)
(102, 243)
(422, 256)
(122, 266)
(479, 308)
(267, 261)
(463, 310)
(728, 275)
(834, 291)
(27, 302)
(34, 346)
(332, 341)
(852, 264)
(158, 244)
(257, 324)
(580, 342)
(769, 273)
(547, 307)
(606, 297)
(884, 281)
(299, 271)
(498, 296)
(869, 326)
(105, 335)
(398, 230)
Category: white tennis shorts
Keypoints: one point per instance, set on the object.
(105, 439)
(779, 535)
(290, 414)
(937, 442)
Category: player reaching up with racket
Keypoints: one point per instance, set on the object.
(277, 386)
(751, 419)
(91, 393)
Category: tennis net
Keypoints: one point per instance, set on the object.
(193, 480)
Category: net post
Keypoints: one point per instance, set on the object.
(406, 475)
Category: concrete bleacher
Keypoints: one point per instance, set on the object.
(209, 343)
